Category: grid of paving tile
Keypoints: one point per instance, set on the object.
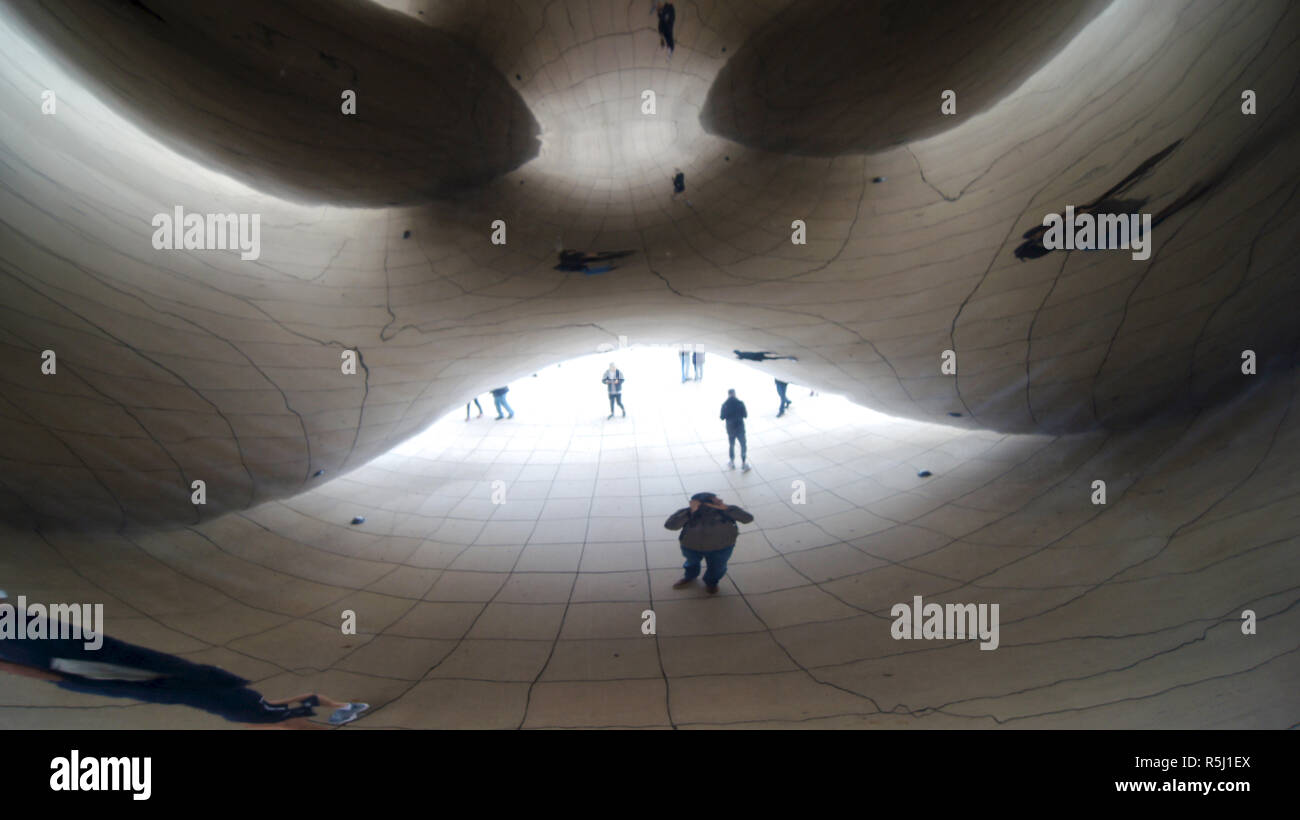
(528, 613)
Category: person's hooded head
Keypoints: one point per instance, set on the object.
(705, 499)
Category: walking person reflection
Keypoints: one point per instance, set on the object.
(613, 379)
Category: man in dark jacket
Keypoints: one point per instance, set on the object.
(709, 534)
(734, 413)
(667, 16)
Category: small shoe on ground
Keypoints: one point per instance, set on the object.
(681, 582)
(500, 417)
(610, 416)
(348, 713)
(713, 589)
(731, 465)
(745, 467)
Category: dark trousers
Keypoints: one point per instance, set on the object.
(780, 391)
(666, 32)
(616, 397)
(734, 435)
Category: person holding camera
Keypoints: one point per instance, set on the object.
(708, 534)
(613, 379)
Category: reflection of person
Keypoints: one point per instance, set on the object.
(476, 404)
(780, 391)
(685, 355)
(580, 261)
(614, 381)
(679, 185)
(734, 413)
(667, 16)
(697, 358)
(122, 670)
(499, 399)
(709, 534)
(759, 356)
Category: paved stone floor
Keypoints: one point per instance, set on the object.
(528, 612)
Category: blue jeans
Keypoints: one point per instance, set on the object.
(500, 401)
(717, 560)
(686, 366)
(734, 435)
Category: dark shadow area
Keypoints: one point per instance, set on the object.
(759, 355)
(1110, 203)
(117, 669)
(575, 261)
(255, 90)
(829, 77)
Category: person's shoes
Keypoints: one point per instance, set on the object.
(744, 468)
(779, 415)
(624, 414)
(610, 416)
(479, 416)
(512, 415)
(731, 465)
(713, 589)
(682, 582)
(348, 713)
(500, 417)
